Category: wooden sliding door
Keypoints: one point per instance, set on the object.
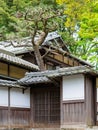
(46, 106)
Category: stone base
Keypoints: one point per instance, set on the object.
(79, 128)
(68, 127)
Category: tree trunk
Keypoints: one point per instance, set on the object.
(39, 58)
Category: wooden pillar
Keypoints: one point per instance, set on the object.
(31, 108)
(90, 102)
(9, 109)
(61, 103)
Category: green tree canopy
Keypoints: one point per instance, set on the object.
(82, 24)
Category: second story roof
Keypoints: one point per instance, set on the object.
(18, 61)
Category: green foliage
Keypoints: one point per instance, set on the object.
(12, 16)
(82, 19)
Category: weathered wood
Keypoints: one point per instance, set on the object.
(9, 108)
(73, 112)
(76, 63)
(3, 68)
(57, 62)
(16, 72)
(46, 107)
(71, 61)
(65, 60)
(20, 117)
(31, 107)
(90, 101)
(59, 57)
(61, 102)
(4, 116)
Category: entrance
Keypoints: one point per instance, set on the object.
(46, 106)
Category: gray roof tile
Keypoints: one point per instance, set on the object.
(18, 61)
(19, 46)
(8, 83)
(45, 76)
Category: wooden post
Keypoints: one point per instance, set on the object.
(9, 109)
(61, 104)
(89, 100)
(31, 108)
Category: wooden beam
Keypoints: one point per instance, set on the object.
(54, 82)
(61, 103)
(56, 62)
(90, 100)
(31, 107)
(9, 109)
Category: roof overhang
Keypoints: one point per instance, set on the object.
(11, 84)
(48, 76)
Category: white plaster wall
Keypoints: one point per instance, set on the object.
(20, 99)
(3, 96)
(73, 87)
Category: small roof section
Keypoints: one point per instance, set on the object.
(46, 76)
(9, 83)
(18, 61)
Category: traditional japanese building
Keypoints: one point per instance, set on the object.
(14, 103)
(54, 51)
(64, 96)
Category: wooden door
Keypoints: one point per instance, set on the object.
(46, 106)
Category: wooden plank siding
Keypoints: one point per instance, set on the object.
(19, 117)
(16, 72)
(12, 71)
(3, 69)
(64, 59)
(4, 117)
(73, 112)
(59, 57)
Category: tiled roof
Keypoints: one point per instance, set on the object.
(19, 46)
(24, 45)
(45, 76)
(34, 80)
(8, 83)
(18, 61)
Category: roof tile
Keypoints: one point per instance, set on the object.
(45, 76)
(18, 61)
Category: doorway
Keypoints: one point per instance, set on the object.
(46, 105)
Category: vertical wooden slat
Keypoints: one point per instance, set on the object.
(20, 117)
(46, 106)
(73, 112)
(3, 116)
